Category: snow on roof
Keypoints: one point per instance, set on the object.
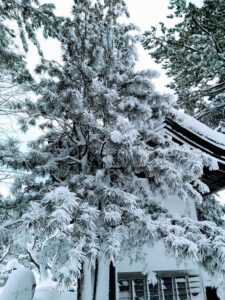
(199, 128)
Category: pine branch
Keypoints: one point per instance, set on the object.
(5, 254)
(56, 178)
(185, 46)
(78, 161)
(215, 86)
(10, 223)
(33, 260)
(217, 47)
(211, 111)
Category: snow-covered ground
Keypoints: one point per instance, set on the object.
(48, 293)
(21, 286)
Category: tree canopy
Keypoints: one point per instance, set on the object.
(192, 53)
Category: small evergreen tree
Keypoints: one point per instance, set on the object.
(98, 174)
(192, 53)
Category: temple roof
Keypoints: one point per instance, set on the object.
(185, 129)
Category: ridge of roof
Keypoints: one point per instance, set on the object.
(197, 127)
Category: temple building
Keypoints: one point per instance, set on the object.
(173, 281)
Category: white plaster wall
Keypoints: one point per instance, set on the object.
(156, 258)
(179, 207)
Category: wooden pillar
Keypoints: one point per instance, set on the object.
(112, 282)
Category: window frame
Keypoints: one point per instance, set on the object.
(131, 277)
(186, 276)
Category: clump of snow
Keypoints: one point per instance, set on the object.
(198, 3)
(19, 286)
(152, 278)
(116, 137)
(108, 160)
(199, 128)
(12, 264)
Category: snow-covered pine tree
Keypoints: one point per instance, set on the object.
(20, 18)
(17, 18)
(192, 53)
(28, 16)
(97, 174)
(19, 22)
(212, 210)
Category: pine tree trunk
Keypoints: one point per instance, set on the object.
(80, 284)
(87, 282)
(95, 279)
(112, 282)
(102, 288)
(43, 273)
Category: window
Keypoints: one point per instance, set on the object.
(170, 286)
(132, 286)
